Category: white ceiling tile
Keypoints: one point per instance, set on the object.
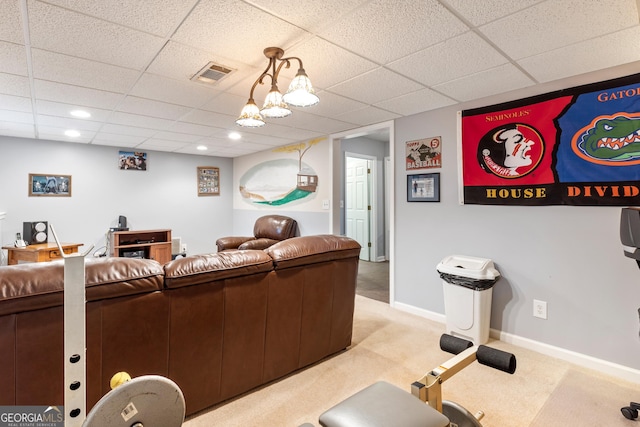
(309, 15)
(137, 131)
(485, 83)
(376, 86)
(112, 139)
(16, 116)
(578, 58)
(187, 93)
(68, 123)
(215, 142)
(227, 103)
(90, 38)
(482, 12)
(59, 109)
(11, 84)
(385, 30)
(16, 103)
(147, 107)
(368, 116)
(22, 130)
(208, 118)
(76, 95)
(249, 136)
(192, 129)
(81, 72)
(327, 64)
(240, 30)
(11, 21)
(154, 16)
(305, 120)
(416, 102)
(556, 23)
(178, 137)
(332, 105)
(192, 149)
(136, 120)
(441, 62)
(13, 59)
(55, 133)
(161, 144)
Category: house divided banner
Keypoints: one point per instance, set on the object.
(577, 146)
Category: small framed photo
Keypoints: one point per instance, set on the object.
(208, 181)
(423, 187)
(42, 184)
(132, 160)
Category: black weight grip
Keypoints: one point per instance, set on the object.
(454, 345)
(497, 359)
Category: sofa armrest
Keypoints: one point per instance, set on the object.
(260, 244)
(231, 242)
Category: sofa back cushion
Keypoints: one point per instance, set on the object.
(312, 249)
(26, 287)
(197, 269)
(276, 227)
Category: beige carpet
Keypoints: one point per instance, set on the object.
(399, 347)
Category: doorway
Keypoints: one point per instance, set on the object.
(366, 196)
(357, 203)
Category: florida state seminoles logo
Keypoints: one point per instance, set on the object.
(510, 151)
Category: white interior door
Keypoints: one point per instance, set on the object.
(357, 205)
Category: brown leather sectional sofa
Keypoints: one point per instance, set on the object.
(218, 324)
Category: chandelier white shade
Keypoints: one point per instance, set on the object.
(274, 107)
(250, 116)
(300, 93)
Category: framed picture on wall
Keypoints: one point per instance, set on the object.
(132, 160)
(42, 184)
(423, 187)
(208, 181)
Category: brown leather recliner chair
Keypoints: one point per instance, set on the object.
(268, 230)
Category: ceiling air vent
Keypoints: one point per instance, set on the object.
(211, 74)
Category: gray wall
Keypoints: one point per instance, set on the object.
(164, 196)
(569, 256)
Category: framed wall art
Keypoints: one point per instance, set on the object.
(208, 181)
(132, 160)
(423, 187)
(41, 184)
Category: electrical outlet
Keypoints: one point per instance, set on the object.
(183, 248)
(539, 309)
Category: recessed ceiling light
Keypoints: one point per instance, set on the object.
(80, 114)
(201, 147)
(72, 133)
(235, 135)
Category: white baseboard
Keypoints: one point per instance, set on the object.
(600, 365)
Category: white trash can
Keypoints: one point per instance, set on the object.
(468, 289)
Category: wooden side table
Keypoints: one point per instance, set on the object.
(42, 252)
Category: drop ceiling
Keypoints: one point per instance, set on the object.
(130, 63)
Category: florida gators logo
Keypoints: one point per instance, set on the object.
(510, 151)
(610, 140)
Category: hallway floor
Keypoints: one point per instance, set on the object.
(373, 280)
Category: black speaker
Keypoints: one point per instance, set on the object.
(35, 232)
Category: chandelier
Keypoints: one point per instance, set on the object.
(276, 105)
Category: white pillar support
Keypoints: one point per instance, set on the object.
(75, 348)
